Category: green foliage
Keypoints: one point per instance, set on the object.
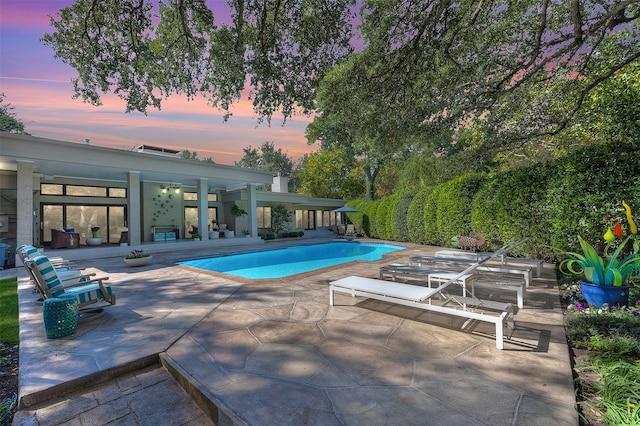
(588, 185)
(454, 206)
(370, 222)
(448, 62)
(384, 206)
(399, 219)
(329, 173)
(143, 54)
(9, 324)
(8, 119)
(612, 339)
(188, 155)
(389, 226)
(513, 206)
(430, 216)
(267, 159)
(415, 217)
(8, 407)
(280, 218)
(551, 203)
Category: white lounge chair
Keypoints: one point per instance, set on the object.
(421, 297)
(482, 277)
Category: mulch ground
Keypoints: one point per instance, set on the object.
(9, 364)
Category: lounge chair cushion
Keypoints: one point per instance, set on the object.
(89, 292)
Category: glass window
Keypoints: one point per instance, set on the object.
(51, 189)
(86, 191)
(83, 218)
(117, 192)
(191, 218)
(263, 216)
(116, 223)
(212, 198)
(190, 196)
(51, 219)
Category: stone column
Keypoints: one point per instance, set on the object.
(133, 208)
(24, 202)
(203, 208)
(252, 207)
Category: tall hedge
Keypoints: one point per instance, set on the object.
(590, 184)
(415, 217)
(382, 217)
(453, 215)
(399, 218)
(370, 210)
(513, 207)
(550, 203)
(431, 235)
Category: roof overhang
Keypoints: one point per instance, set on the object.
(53, 158)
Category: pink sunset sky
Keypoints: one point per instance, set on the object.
(40, 91)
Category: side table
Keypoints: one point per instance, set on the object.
(60, 316)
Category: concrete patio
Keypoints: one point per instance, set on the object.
(189, 347)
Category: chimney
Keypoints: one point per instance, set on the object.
(280, 184)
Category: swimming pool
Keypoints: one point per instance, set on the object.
(288, 261)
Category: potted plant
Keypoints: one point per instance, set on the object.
(94, 240)
(196, 237)
(237, 211)
(605, 278)
(138, 258)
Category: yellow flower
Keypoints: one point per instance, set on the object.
(608, 236)
(632, 405)
(632, 225)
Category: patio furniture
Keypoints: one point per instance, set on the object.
(60, 315)
(63, 239)
(93, 295)
(421, 297)
(482, 277)
(471, 241)
(468, 305)
(67, 271)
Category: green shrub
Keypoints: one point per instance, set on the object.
(453, 214)
(400, 217)
(371, 211)
(381, 218)
(588, 185)
(512, 206)
(389, 226)
(430, 213)
(415, 217)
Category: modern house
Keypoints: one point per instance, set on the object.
(149, 194)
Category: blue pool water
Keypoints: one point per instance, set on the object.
(292, 260)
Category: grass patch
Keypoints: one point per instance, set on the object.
(9, 324)
(9, 336)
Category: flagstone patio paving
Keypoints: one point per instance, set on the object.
(274, 352)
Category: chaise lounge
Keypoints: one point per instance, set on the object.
(499, 314)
